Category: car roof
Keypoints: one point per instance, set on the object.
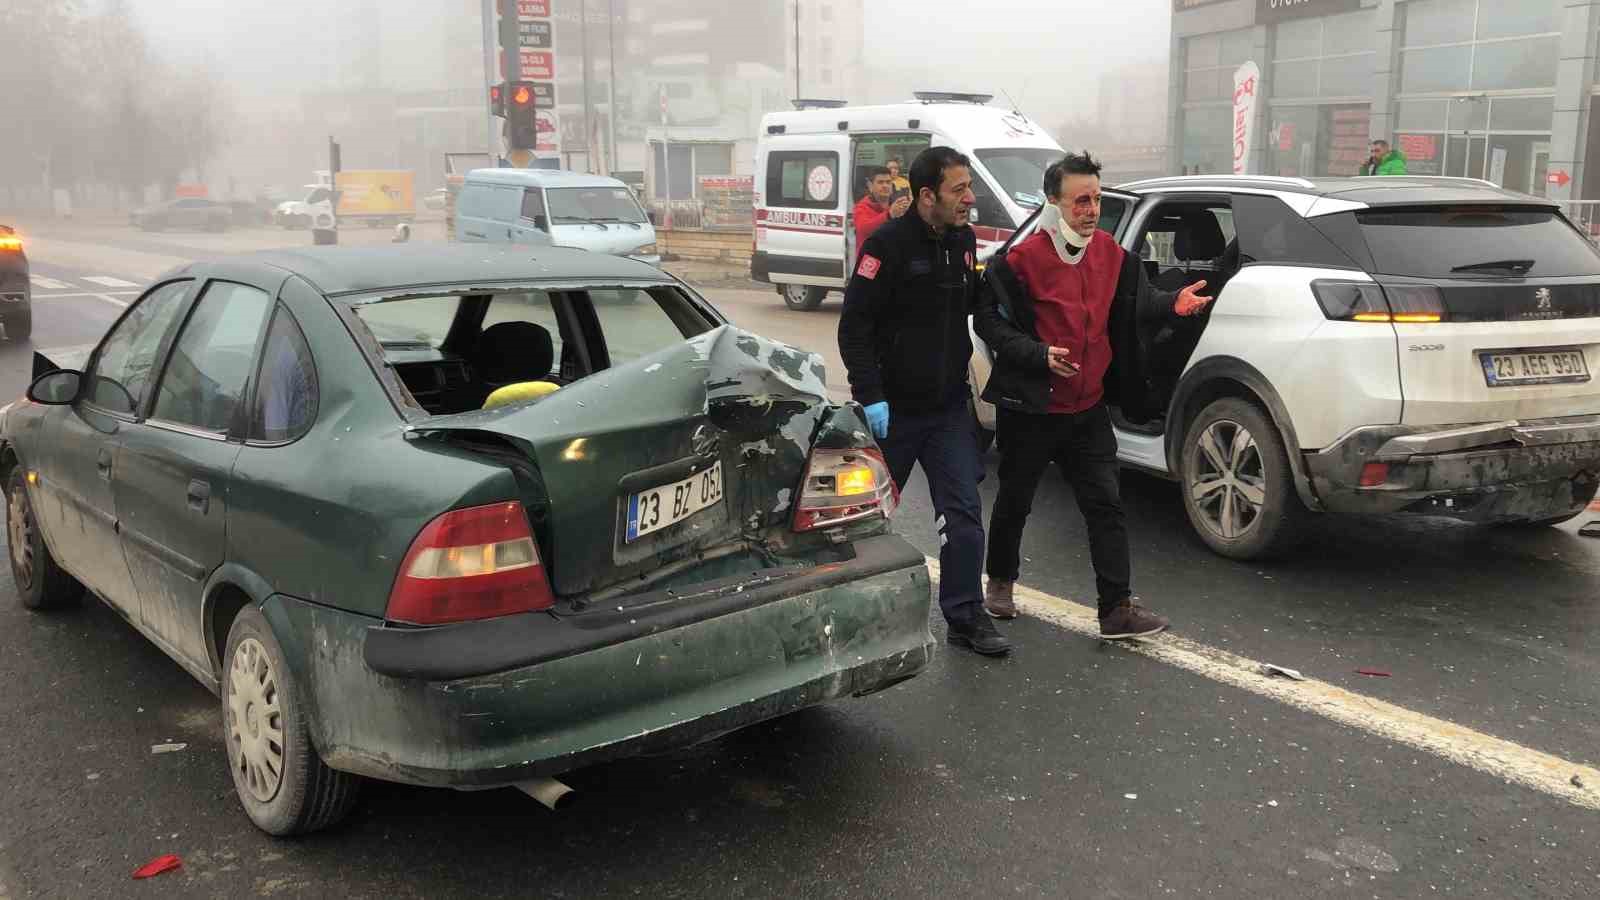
(394, 267)
(547, 178)
(1385, 190)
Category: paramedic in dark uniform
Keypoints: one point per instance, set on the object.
(903, 336)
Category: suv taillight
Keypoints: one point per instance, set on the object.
(844, 486)
(475, 563)
(1366, 301)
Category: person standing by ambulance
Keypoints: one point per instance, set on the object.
(875, 207)
(903, 336)
(1061, 312)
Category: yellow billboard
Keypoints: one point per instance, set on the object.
(375, 192)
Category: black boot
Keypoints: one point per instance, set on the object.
(978, 634)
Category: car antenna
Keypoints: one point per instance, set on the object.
(1015, 106)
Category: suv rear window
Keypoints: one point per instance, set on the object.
(1466, 242)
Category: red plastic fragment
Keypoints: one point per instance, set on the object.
(1375, 673)
(157, 866)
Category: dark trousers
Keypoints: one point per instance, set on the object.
(946, 445)
(1085, 448)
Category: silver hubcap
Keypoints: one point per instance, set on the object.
(19, 532)
(255, 722)
(796, 293)
(1226, 480)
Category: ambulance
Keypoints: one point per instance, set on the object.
(811, 166)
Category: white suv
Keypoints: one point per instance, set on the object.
(1377, 345)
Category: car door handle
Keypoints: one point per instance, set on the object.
(103, 463)
(200, 496)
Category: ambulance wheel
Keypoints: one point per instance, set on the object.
(803, 297)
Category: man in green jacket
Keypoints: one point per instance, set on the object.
(1384, 161)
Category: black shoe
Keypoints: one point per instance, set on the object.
(979, 636)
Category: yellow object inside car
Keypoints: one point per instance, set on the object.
(519, 392)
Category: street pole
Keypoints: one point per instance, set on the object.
(666, 153)
(491, 49)
(611, 79)
(588, 76)
(797, 48)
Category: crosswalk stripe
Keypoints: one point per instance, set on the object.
(108, 281)
(49, 284)
(1497, 757)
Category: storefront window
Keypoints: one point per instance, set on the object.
(1503, 139)
(1482, 45)
(1516, 64)
(1329, 57)
(1209, 63)
(1208, 140)
(1499, 18)
(1309, 141)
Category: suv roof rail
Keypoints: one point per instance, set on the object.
(817, 103)
(1452, 178)
(1225, 179)
(952, 97)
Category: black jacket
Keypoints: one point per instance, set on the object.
(903, 333)
(1004, 317)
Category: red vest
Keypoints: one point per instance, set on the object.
(1072, 308)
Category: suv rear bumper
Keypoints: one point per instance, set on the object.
(656, 680)
(1497, 471)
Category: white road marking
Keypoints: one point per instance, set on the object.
(49, 284)
(111, 300)
(108, 281)
(1485, 753)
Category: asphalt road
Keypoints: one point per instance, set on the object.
(1072, 768)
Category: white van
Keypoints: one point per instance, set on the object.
(545, 206)
(811, 166)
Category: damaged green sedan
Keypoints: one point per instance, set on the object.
(460, 517)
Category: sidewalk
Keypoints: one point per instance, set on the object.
(105, 241)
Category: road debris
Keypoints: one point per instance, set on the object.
(1373, 673)
(1590, 530)
(167, 748)
(158, 866)
(1269, 670)
(1130, 796)
(1577, 781)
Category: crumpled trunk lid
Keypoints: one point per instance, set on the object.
(726, 397)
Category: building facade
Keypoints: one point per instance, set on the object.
(1494, 89)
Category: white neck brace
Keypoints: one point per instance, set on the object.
(1069, 244)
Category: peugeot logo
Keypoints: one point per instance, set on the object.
(1542, 299)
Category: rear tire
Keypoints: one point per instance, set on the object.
(20, 328)
(802, 297)
(1238, 488)
(41, 584)
(283, 784)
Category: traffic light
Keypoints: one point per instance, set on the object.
(497, 100)
(521, 119)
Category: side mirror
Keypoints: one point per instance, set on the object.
(542, 223)
(56, 388)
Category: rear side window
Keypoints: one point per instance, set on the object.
(636, 322)
(286, 394)
(803, 180)
(1476, 241)
(489, 201)
(1270, 232)
(211, 361)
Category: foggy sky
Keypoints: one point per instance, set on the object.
(1048, 55)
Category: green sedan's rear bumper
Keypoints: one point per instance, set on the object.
(765, 648)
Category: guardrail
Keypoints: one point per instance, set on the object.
(1586, 215)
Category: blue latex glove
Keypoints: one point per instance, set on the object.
(878, 419)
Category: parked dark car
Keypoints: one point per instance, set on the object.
(186, 212)
(16, 288)
(295, 473)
